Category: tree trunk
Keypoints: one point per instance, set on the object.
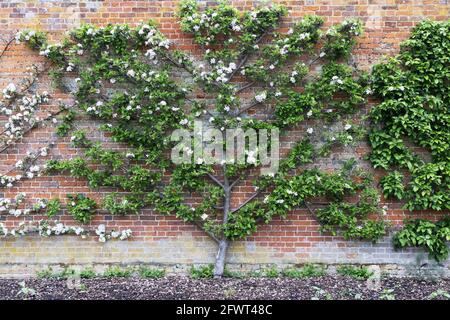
(219, 265)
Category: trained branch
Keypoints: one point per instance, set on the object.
(240, 111)
(37, 123)
(234, 182)
(309, 208)
(246, 86)
(213, 178)
(5, 48)
(253, 196)
(210, 234)
(246, 56)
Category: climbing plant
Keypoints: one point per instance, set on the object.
(412, 132)
(429, 235)
(248, 76)
(414, 113)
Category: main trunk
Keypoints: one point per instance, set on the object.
(219, 265)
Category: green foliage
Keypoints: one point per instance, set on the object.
(387, 294)
(426, 234)
(392, 185)
(53, 207)
(415, 97)
(67, 123)
(360, 272)
(233, 274)
(429, 187)
(117, 272)
(439, 294)
(152, 273)
(50, 274)
(25, 291)
(128, 204)
(302, 153)
(201, 272)
(307, 271)
(81, 207)
(45, 273)
(388, 151)
(341, 38)
(34, 39)
(317, 100)
(87, 273)
(349, 217)
(272, 272)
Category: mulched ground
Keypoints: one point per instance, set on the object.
(182, 287)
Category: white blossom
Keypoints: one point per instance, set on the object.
(261, 97)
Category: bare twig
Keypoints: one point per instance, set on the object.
(8, 44)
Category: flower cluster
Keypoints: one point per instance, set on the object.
(103, 235)
(22, 229)
(47, 228)
(21, 117)
(153, 38)
(9, 91)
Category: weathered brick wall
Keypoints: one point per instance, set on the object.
(165, 240)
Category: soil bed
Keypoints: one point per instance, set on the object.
(182, 287)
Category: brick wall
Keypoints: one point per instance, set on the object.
(165, 240)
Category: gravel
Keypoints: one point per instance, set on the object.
(183, 287)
